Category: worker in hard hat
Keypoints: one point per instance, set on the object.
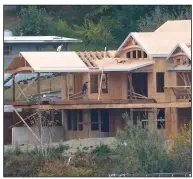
(85, 90)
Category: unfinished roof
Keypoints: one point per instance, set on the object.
(158, 44)
(175, 26)
(111, 64)
(29, 62)
(186, 48)
(161, 42)
(38, 39)
(48, 62)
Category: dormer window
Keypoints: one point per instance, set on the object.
(144, 55)
(139, 54)
(134, 54)
(129, 55)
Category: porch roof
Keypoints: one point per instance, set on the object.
(30, 62)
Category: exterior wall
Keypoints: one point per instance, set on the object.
(22, 135)
(115, 122)
(117, 87)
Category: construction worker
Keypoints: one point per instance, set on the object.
(85, 90)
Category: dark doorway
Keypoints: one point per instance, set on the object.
(139, 82)
(104, 120)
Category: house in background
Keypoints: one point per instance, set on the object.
(149, 76)
(13, 45)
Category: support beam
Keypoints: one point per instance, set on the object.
(22, 91)
(13, 87)
(38, 86)
(115, 105)
(33, 133)
(27, 87)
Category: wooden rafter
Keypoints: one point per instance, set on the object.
(94, 55)
(81, 54)
(90, 59)
(99, 55)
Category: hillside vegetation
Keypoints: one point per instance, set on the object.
(98, 26)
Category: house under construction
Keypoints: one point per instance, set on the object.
(149, 76)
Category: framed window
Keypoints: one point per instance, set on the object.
(161, 119)
(139, 54)
(134, 54)
(75, 120)
(38, 48)
(80, 120)
(94, 120)
(104, 85)
(129, 55)
(94, 83)
(160, 82)
(69, 123)
(7, 50)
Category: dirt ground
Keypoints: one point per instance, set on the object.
(85, 145)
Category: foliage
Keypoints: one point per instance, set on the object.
(181, 150)
(57, 169)
(34, 21)
(142, 150)
(95, 32)
(21, 166)
(101, 151)
(159, 16)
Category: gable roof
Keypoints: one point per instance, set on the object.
(186, 48)
(175, 26)
(30, 62)
(158, 44)
(161, 42)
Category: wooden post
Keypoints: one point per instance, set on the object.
(13, 85)
(99, 92)
(130, 85)
(38, 87)
(130, 94)
(39, 114)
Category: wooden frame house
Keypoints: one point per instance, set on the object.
(148, 72)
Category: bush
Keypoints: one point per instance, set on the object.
(142, 150)
(181, 150)
(21, 166)
(57, 169)
(101, 151)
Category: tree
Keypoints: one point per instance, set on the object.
(160, 15)
(34, 21)
(95, 32)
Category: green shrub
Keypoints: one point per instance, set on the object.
(181, 150)
(101, 151)
(21, 166)
(142, 150)
(57, 169)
